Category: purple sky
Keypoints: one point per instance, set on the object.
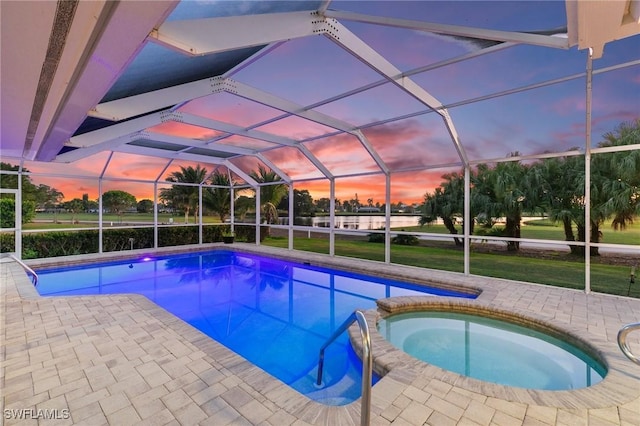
(310, 70)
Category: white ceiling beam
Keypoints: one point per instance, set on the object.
(556, 41)
(161, 153)
(132, 106)
(213, 35)
(195, 143)
(94, 148)
(117, 130)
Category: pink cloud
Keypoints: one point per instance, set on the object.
(230, 108)
(293, 162)
(343, 154)
(410, 143)
(568, 105)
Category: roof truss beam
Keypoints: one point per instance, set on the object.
(556, 41)
(153, 152)
(213, 35)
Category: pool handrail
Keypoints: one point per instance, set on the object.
(367, 364)
(622, 341)
(34, 276)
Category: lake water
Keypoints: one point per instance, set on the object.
(367, 222)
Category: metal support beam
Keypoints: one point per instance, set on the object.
(587, 176)
(212, 35)
(387, 219)
(291, 218)
(332, 217)
(467, 219)
(558, 41)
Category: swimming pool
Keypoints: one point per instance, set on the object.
(276, 314)
(492, 350)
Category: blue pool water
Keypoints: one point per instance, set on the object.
(492, 350)
(274, 313)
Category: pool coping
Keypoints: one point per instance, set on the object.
(389, 359)
(619, 388)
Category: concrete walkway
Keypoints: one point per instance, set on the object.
(120, 359)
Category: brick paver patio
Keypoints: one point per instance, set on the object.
(120, 359)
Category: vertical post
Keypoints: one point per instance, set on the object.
(155, 214)
(232, 209)
(200, 213)
(291, 217)
(467, 219)
(387, 218)
(587, 177)
(100, 208)
(258, 215)
(332, 216)
(100, 214)
(17, 239)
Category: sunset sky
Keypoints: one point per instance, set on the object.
(311, 70)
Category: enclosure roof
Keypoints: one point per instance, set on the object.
(189, 80)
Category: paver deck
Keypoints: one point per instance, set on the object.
(121, 359)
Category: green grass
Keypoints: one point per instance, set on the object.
(538, 229)
(545, 230)
(566, 271)
(88, 220)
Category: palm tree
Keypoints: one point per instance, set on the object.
(270, 195)
(447, 202)
(615, 182)
(182, 196)
(507, 190)
(218, 199)
(623, 180)
(562, 185)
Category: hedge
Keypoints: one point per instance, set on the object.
(37, 245)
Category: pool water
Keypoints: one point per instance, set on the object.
(492, 350)
(274, 313)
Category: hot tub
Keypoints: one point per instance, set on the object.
(492, 350)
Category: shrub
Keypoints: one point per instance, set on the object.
(54, 244)
(490, 232)
(405, 240)
(7, 242)
(377, 237)
(66, 243)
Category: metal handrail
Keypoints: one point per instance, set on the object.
(34, 276)
(622, 341)
(365, 406)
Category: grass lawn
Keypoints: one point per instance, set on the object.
(545, 230)
(88, 220)
(566, 271)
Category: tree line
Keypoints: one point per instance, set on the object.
(554, 187)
